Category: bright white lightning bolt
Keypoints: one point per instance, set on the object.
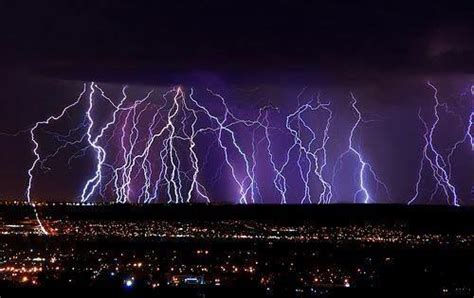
(314, 156)
(123, 190)
(279, 180)
(92, 183)
(195, 185)
(133, 140)
(37, 155)
(365, 168)
(435, 160)
(223, 126)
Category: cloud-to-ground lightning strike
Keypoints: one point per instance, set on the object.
(223, 127)
(37, 154)
(310, 152)
(364, 167)
(440, 169)
(157, 149)
(279, 180)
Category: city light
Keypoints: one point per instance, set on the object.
(129, 283)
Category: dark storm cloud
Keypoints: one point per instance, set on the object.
(275, 41)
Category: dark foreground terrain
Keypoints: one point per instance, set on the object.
(219, 251)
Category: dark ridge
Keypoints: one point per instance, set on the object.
(443, 218)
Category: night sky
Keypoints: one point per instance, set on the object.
(254, 55)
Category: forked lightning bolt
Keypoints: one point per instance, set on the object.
(365, 169)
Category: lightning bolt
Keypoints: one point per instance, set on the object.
(466, 137)
(224, 128)
(37, 154)
(279, 180)
(67, 140)
(311, 159)
(434, 159)
(365, 168)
